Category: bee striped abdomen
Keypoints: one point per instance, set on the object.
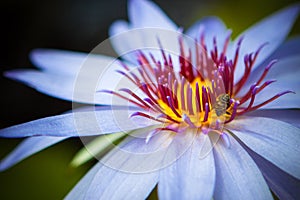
(222, 103)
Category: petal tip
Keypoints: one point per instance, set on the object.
(12, 74)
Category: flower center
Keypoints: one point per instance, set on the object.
(201, 94)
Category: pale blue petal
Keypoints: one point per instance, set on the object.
(274, 140)
(103, 182)
(144, 13)
(237, 176)
(288, 116)
(27, 148)
(148, 40)
(121, 174)
(273, 29)
(81, 86)
(211, 27)
(147, 24)
(66, 62)
(282, 184)
(189, 177)
(79, 124)
(109, 183)
(286, 72)
(33, 145)
(121, 46)
(79, 191)
(289, 48)
(59, 86)
(118, 27)
(149, 156)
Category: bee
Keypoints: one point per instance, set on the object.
(222, 103)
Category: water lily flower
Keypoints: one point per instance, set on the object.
(199, 116)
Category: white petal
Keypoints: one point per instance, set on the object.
(144, 13)
(83, 86)
(282, 184)
(79, 124)
(264, 31)
(274, 140)
(237, 176)
(27, 148)
(189, 177)
(286, 72)
(211, 27)
(288, 116)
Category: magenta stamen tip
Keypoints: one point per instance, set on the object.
(105, 91)
(134, 114)
(271, 64)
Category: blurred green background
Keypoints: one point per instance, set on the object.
(77, 25)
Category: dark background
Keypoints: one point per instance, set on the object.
(76, 25)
